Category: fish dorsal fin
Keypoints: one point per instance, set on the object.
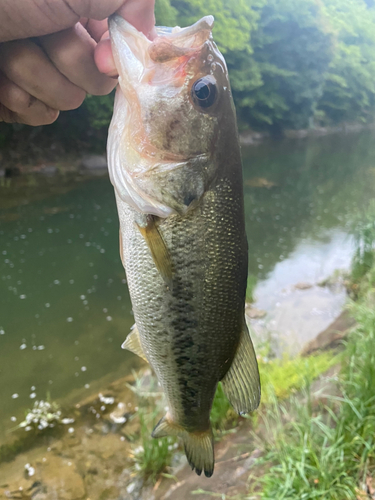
(133, 343)
(241, 383)
(158, 249)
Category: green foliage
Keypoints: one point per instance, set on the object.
(234, 20)
(281, 377)
(292, 50)
(292, 64)
(165, 14)
(349, 90)
(222, 414)
(328, 452)
(151, 456)
(251, 284)
(362, 272)
(99, 109)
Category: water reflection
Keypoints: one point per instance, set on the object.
(302, 214)
(65, 308)
(64, 299)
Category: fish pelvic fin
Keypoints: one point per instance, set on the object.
(199, 446)
(241, 384)
(133, 343)
(158, 249)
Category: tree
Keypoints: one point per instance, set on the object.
(292, 51)
(349, 90)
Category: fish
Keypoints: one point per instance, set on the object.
(175, 164)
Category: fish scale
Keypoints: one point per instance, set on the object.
(190, 327)
(175, 163)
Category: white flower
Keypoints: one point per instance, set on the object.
(67, 421)
(106, 400)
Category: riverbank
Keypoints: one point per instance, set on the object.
(66, 312)
(33, 154)
(101, 447)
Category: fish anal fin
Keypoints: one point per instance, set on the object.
(241, 383)
(133, 343)
(199, 446)
(158, 249)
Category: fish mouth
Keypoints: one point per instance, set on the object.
(136, 155)
(136, 57)
(201, 31)
(133, 51)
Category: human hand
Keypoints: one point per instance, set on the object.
(41, 76)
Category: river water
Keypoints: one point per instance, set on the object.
(65, 309)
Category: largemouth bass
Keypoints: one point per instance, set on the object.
(175, 163)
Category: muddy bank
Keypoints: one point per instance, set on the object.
(50, 159)
(91, 459)
(91, 456)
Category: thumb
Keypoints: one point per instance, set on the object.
(26, 18)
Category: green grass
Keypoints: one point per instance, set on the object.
(364, 258)
(151, 456)
(281, 377)
(222, 417)
(251, 284)
(327, 452)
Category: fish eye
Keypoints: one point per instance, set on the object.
(204, 92)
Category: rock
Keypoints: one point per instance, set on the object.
(254, 313)
(107, 454)
(303, 286)
(94, 163)
(332, 336)
(61, 479)
(111, 493)
(260, 182)
(52, 478)
(49, 170)
(57, 447)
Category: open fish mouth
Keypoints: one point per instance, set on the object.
(160, 138)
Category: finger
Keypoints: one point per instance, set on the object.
(20, 19)
(17, 106)
(104, 57)
(140, 13)
(72, 52)
(95, 28)
(25, 64)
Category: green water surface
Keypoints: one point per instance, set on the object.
(64, 303)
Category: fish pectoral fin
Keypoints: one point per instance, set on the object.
(199, 446)
(158, 249)
(241, 384)
(133, 343)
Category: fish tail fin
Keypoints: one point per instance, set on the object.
(199, 446)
